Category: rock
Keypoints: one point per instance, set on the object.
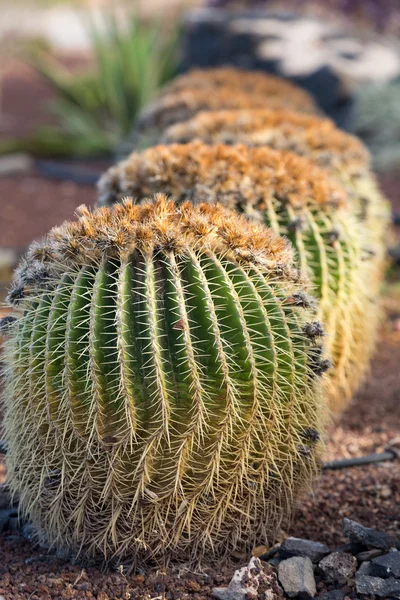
(368, 555)
(248, 583)
(350, 547)
(369, 537)
(5, 516)
(298, 547)
(365, 568)
(15, 163)
(5, 499)
(338, 567)
(333, 595)
(375, 586)
(297, 577)
(386, 566)
(14, 521)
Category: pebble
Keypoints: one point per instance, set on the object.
(246, 581)
(15, 163)
(4, 518)
(368, 555)
(369, 537)
(315, 551)
(333, 595)
(365, 568)
(296, 576)
(338, 567)
(383, 588)
(386, 566)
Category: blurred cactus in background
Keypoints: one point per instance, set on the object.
(216, 89)
(163, 391)
(343, 155)
(296, 199)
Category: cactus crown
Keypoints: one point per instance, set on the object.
(161, 382)
(309, 135)
(148, 227)
(250, 175)
(253, 82)
(183, 104)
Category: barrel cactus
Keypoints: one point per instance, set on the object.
(162, 382)
(342, 154)
(295, 198)
(257, 83)
(185, 102)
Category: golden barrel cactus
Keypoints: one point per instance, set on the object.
(294, 197)
(257, 83)
(316, 138)
(162, 383)
(214, 90)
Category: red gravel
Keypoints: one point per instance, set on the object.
(31, 205)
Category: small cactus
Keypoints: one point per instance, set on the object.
(161, 385)
(295, 198)
(314, 137)
(236, 90)
(343, 155)
(257, 83)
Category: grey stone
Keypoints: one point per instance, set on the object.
(349, 547)
(333, 595)
(338, 567)
(28, 531)
(274, 562)
(383, 588)
(298, 547)
(296, 575)
(5, 498)
(365, 568)
(5, 515)
(387, 565)
(368, 555)
(14, 521)
(15, 163)
(247, 581)
(369, 537)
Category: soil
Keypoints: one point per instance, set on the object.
(29, 206)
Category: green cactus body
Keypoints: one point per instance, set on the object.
(162, 395)
(296, 199)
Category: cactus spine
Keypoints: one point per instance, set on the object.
(161, 394)
(295, 198)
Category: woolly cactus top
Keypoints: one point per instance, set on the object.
(242, 175)
(154, 226)
(183, 104)
(283, 129)
(255, 82)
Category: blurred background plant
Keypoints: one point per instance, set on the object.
(96, 105)
(375, 117)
